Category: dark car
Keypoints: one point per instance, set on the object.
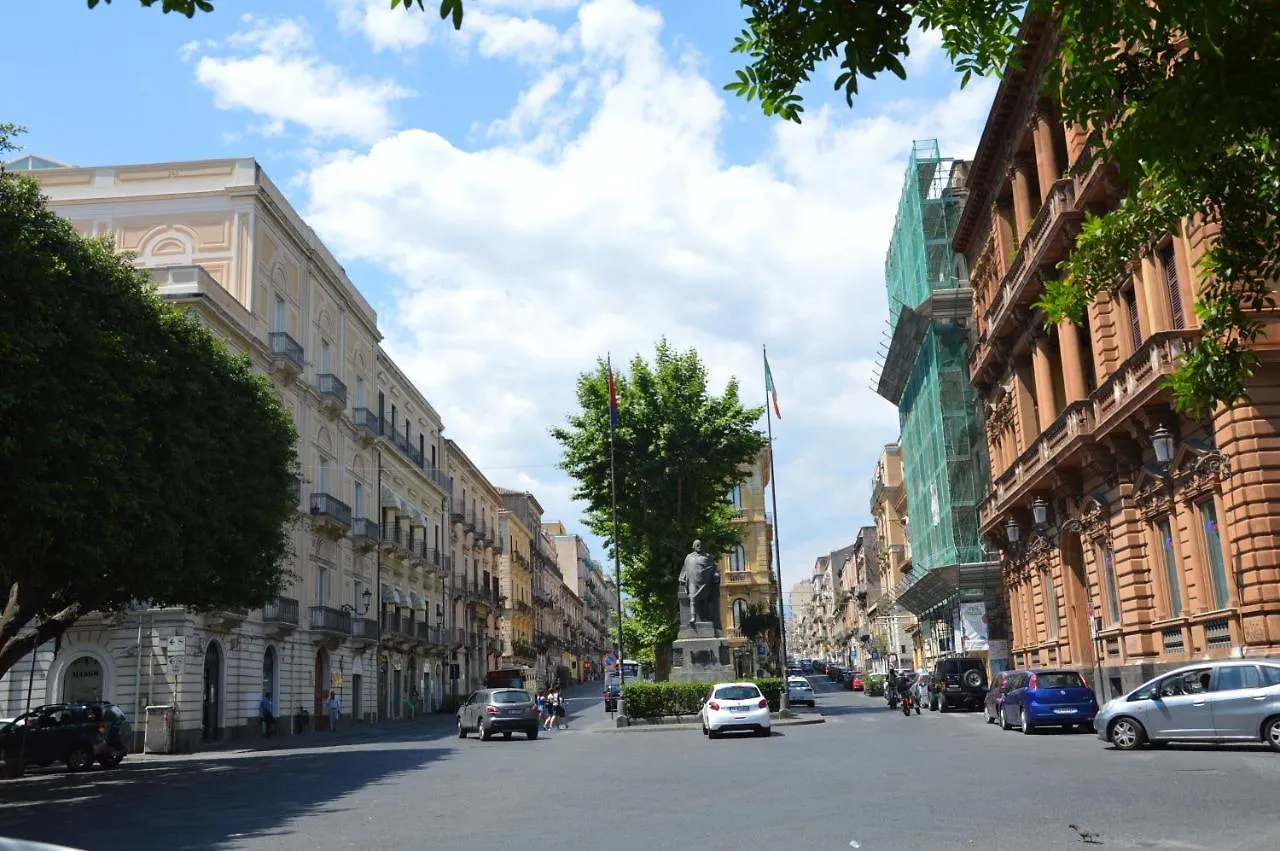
(499, 710)
(958, 681)
(78, 734)
(995, 695)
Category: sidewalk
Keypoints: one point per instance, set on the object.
(346, 734)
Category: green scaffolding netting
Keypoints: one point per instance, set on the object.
(943, 445)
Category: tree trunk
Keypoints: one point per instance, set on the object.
(662, 661)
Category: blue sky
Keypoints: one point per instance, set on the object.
(560, 180)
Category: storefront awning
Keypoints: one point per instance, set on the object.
(417, 601)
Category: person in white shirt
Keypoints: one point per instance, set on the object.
(334, 707)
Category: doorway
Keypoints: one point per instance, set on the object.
(82, 681)
(211, 710)
(321, 692)
(357, 693)
(1076, 585)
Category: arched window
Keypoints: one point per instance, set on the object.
(735, 496)
(737, 559)
(269, 673)
(739, 612)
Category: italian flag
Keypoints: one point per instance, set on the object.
(770, 389)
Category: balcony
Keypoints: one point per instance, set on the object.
(458, 515)
(364, 630)
(404, 443)
(523, 607)
(543, 598)
(333, 392)
(364, 534)
(330, 516)
(1138, 382)
(280, 615)
(227, 618)
(394, 542)
(523, 650)
(430, 558)
(1047, 243)
(330, 622)
(439, 479)
(286, 354)
(368, 426)
(737, 577)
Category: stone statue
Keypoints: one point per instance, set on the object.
(700, 586)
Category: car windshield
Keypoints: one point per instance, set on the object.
(512, 696)
(737, 693)
(1060, 679)
(799, 684)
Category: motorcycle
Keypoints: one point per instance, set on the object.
(909, 701)
(892, 697)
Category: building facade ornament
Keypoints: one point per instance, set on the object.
(1201, 474)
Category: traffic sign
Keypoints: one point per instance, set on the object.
(609, 660)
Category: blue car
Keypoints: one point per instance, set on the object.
(1047, 698)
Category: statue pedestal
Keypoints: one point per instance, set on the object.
(701, 653)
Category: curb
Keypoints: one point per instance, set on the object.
(685, 726)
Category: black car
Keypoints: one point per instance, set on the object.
(499, 710)
(78, 734)
(958, 681)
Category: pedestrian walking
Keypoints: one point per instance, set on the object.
(267, 714)
(550, 717)
(562, 719)
(334, 707)
(541, 702)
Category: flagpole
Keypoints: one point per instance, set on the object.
(617, 557)
(784, 702)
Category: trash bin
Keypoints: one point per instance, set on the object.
(158, 737)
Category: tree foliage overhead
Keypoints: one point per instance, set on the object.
(142, 461)
(679, 450)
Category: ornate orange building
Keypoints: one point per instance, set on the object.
(1134, 539)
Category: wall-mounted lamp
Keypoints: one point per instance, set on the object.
(366, 599)
(1040, 512)
(1162, 443)
(1012, 531)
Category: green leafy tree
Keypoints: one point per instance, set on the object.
(142, 461)
(679, 448)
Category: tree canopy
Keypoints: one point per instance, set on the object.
(142, 461)
(679, 450)
(1184, 89)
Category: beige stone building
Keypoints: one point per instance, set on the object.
(518, 519)
(1135, 538)
(474, 552)
(746, 571)
(583, 578)
(893, 630)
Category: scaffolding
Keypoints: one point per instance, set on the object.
(924, 372)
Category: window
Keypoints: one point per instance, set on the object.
(278, 315)
(737, 559)
(1213, 550)
(357, 501)
(322, 476)
(1110, 589)
(1188, 682)
(735, 496)
(393, 420)
(1237, 678)
(1270, 675)
(1171, 578)
(422, 447)
(1169, 265)
(323, 578)
(1131, 314)
(433, 455)
(1052, 617)
(739, 612)
(359, 392)
(326, 357)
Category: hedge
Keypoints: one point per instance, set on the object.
(653, 700)
(873, 686)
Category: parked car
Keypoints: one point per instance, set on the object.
(856, 682)
(78, 734)
(1047, 698)
(735, 706)
(995, 696)
(1221, 701)
(957, 681)
(499, 710)
(800, 692)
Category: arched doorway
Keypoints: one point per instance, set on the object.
(212, 704)
(269, 675)
(412, 681)
(321, 689)
(1076, 586)
(82, 680)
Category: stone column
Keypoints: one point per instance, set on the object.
(1048, 168)
(1072, 361)
(1024, 207)
(1043, 372)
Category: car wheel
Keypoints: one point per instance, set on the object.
(485, 735)
(506, 734)
(1271, 733)
(1004, 720)
(79, 758)
(462, 731)
(942, 703)
(112, 759)
(532, 734)
(986, 713)
(1126, 734)
(1027, 727)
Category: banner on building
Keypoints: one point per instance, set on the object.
(971, 633)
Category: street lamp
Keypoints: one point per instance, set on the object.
(366, 597)
(1040, 512)
(1011, 531)
(1162, 444)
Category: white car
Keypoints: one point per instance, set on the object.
(799, 691)
(735, 706)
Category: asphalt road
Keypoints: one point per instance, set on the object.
(868, 778)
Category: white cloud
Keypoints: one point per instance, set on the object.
(526, 260)
(271, 69)
(925, 47)
(386, 28)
